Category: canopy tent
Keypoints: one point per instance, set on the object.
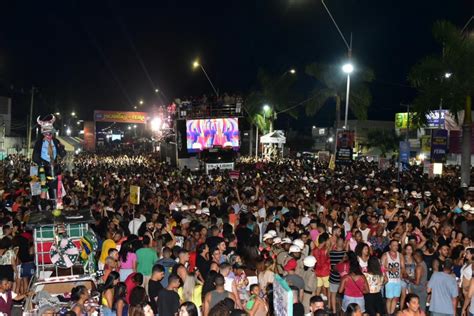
(273, 144)
(275, 137)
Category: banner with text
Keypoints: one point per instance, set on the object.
(439, 145)
(345, 144)
(120, 117)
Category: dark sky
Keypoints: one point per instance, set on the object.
(87, 55)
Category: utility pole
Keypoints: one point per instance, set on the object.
(30, 123)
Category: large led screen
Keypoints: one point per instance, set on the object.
(208, 133)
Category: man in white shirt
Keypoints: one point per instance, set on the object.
(135, 223)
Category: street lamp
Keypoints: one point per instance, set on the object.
(448, 75)
(292, 71)
(141, 102)
(266, 108)
(68, 132)
(197, 64)
(156, 90)
(73, 113)
(57, 114)
(347, 68)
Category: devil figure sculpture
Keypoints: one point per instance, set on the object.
(46, 152)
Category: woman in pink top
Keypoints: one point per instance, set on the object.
(354, 285)
(128, 261)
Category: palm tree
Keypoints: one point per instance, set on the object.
(386, 141)
(273, 91)
(448, 76)
(333, 88)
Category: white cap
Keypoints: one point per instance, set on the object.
(205, 211)
(413, 193)
(363, 189)
(272, 233)
(427, 193)
(185, 221)
(299, 243)
(286, 240)
(267, 236)
(184, 208)
(378, 189)
(294, 248)
(355, 187)
(396, 190)
(385, 192)
(305, 178)
(347, 188)
(466, 207)
(328, 192)
(192, 207)
(276, 240)
(470, 189)
(309, 261)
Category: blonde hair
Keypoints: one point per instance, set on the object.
(188, 287)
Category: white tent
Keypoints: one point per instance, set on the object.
(275, 137)
(273, 144)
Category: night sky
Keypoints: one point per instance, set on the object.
(86, 55)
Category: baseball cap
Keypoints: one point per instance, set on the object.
(294, 248)
(276, 240)
(286, 240)
(267, 236)
(299, 243)
(309, 261)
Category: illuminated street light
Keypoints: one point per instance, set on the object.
(266, 107)
(68, 132)
(156, 124)
(73, 113)
(134, 126)
(197, 64)
(129, 127)
(78, 123)
(448, 75)
(141, 102)
(348, 68)
(156, 90)
(135, 107)
(330, 139)
(292, 71)
(57, 113)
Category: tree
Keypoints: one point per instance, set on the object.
(447, 77)
(333, 88)
(385, 140)
(273, 91)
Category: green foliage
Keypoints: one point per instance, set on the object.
(333, 87)
(384, 140)
(456, 56)
(272, 90)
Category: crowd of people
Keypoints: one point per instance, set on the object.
(357, 240)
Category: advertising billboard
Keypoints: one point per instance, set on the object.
(345, 142)
(439, 145)
(208, 133)
(434, 119)
(120, 117)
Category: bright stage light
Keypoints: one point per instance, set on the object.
(156, 124)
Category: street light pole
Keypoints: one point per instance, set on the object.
(198, 64)
(349, 56)
(30, 123)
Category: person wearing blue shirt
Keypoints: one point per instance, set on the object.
(444, 291)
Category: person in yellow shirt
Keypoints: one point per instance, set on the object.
(110, 243)
(191, 290)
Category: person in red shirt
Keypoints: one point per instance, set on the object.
(323, 266)
(133, 280)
